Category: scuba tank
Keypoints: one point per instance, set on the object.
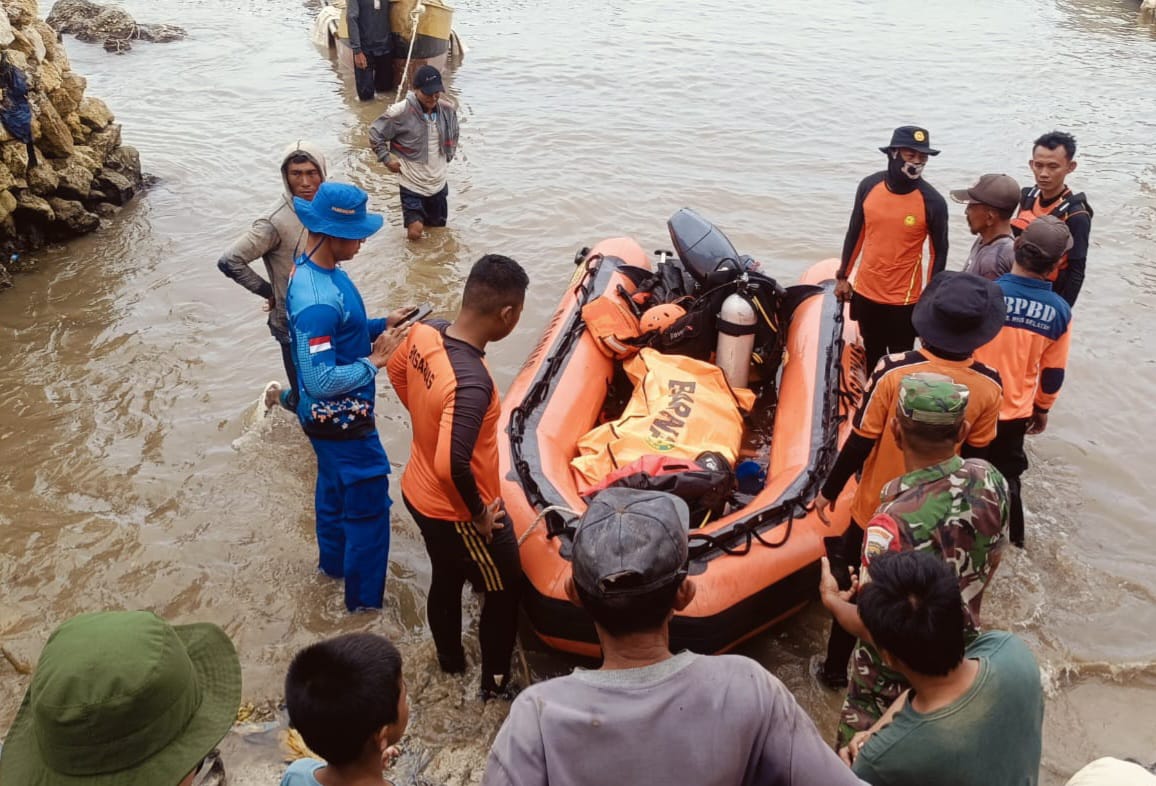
(736, 338)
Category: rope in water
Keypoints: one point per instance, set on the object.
(415, 17)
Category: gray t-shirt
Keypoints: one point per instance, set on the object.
(990, 736)
(991, 260)
(694, 719)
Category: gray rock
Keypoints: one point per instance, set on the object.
(93, 22)
(125, 160)
(14, 156)
(75, 181)
(105, 141)
(94, 113)
(20, 12)
(7, 204)
(34, 209)
(72, 218)
(104, 209)
(55, 138)
(42, 179)
(7, 34)
(117, 188)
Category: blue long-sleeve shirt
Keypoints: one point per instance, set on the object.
(332, 337)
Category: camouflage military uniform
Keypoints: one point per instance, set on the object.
(957, 509)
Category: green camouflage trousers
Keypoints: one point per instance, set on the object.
(871, 690)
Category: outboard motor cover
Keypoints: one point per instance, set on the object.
(703, 248)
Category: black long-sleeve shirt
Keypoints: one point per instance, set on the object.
(368, 26)
(889, 224)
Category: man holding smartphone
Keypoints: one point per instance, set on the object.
(451, 483)
(338, 351)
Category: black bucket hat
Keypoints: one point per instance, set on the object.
(913, 138)
(959, 312)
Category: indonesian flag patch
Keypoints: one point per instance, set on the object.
(319, 344)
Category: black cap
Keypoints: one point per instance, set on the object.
(428, 80)
(913, 138)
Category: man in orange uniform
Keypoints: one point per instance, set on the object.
(958, 313)
(450, 484)
(1031, 352)
(1053, 159)
(895, 212)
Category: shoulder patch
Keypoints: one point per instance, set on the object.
(876, 540)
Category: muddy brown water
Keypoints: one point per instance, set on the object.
(133, 475)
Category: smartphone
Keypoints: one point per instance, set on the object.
(417, 315)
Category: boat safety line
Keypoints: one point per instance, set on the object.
(542, 515)
(415, 17)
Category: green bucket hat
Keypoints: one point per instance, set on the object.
(934, 399)
(124, 698)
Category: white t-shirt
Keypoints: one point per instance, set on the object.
(429, 178)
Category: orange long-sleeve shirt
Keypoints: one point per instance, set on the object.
(452, 400)
(1031, 351)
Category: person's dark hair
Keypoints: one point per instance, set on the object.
(913, 609)
(925, 437)
(495, 282)
(342, 691)
(1005, 214)
(1035, 260)
(297, 158)
(1054, 139)
(622, 615)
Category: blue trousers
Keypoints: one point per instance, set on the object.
(352, 502)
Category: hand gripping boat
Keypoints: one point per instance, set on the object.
(753, 567)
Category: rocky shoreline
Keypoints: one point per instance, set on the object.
(82, 171)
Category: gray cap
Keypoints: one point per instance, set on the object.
(629, 542)
(1048, 235)
(999, 191)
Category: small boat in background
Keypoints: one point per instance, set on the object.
(422, 33)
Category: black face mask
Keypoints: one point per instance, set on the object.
(902, 171)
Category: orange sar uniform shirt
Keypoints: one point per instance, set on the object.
(873, 420)
(1031, 350)
(445, 384)
(886, 235)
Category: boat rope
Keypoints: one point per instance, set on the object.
(542, 515)
(415, 18)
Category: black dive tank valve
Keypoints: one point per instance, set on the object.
(702, 247)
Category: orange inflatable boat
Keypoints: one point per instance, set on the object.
(755, 565)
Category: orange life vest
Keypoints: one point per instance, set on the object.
(1031, 208)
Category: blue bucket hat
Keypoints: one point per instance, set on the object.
(338, 210)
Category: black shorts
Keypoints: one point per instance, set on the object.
(430, 210)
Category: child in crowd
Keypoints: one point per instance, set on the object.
(347, 699)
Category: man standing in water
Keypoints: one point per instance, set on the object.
(417, 138)
(895, 212)
(958, 313)
(339, 350)
(954, 508)
(451, 483)
(974, 714)
(991, 203)
(276, 237)
(1053, 159)
(1031, 352)
(369, 39)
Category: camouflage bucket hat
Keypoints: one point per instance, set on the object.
(933, 399)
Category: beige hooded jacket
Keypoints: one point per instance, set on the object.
(276, 237)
